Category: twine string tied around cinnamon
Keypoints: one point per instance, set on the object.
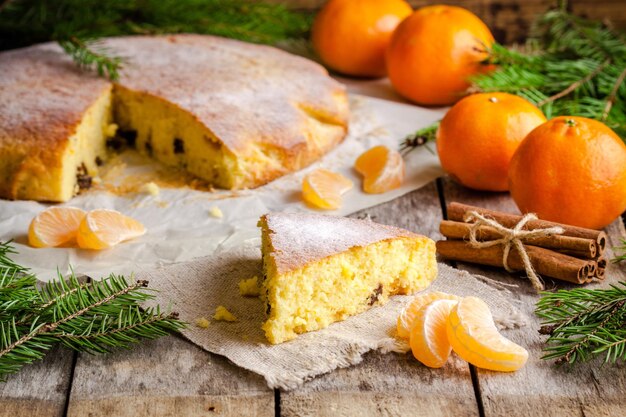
(515, 236)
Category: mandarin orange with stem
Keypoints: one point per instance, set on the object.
(571, 170)
(434, 52)
(351, 36)
(477, 138)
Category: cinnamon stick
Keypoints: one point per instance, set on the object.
(575, 246)
(545, 262)
(456, 212)
(601, 268)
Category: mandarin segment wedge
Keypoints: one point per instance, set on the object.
(55, 226)
(101, 229)
(408, 314)
(323, 189)
(382, 169)
(473, 335)
(429, 340)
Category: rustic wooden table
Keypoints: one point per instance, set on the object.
(172, 377)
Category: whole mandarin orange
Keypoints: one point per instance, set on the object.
(434, 51)
(351, 36)
(571, 170)
(479, 135)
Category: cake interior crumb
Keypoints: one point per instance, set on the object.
(222, 314)
(250, 287)
(151, 188)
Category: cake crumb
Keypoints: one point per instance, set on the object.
(150, 188)
(221, 314)
(249, 287)
(202, 323)
(110, 130)
(216, 212)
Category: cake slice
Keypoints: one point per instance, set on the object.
(321, 269)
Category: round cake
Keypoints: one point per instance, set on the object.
(234, 114)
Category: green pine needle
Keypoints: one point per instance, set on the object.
(88, 55)
(422, 137)
(583, 324)
(76, 24)
(89, 317)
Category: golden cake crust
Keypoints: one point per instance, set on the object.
(43, 97)
(252, 98)
(299, 239)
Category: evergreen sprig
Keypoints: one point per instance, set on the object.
(75, 24)
(569, 66)
(422, 137)
(89, 55)
(85, 316)
(583, 324)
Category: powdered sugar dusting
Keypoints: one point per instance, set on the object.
(244, 93)
(301, 238)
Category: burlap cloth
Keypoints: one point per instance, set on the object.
(196, 288)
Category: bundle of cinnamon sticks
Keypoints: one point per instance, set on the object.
(574, 256)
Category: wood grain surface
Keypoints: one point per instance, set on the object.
(166, 377)
(40, 389)
(172, 377)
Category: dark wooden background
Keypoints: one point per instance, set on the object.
(509, 20)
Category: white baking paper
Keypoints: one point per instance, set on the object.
(180, 226)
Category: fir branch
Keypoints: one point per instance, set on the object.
(24, 22)
(575, 85)
(422, 137)
(583, 324)
(569, 66)
(88, 55)
(89, 317)
(613, 95)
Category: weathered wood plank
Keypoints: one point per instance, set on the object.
(391, 385)
(39, 389)
(166, 377)
(540, 388)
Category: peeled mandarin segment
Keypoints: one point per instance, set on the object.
(54, 226)
(101, 229)
(323, 189)
(382, 169)
(371, 161)
(473, 335)
(429, 340)
(407, 316)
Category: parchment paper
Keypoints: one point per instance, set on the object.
(178, 220)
